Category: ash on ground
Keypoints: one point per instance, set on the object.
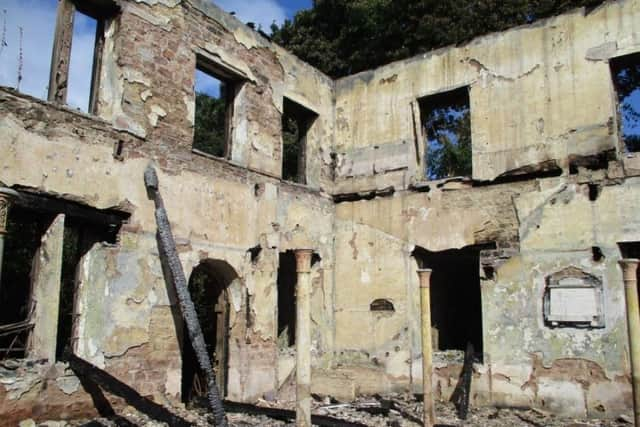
(397, 410)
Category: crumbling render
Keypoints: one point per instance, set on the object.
(176, 275)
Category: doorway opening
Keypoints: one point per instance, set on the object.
(287, 279)
(456, 304)
(208, 286)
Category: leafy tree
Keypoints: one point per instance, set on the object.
(342, 37)
(449, 143)
(626, 76)
(291, 148)
(210, 127)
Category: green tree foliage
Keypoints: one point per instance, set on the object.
(342, 37)
(626, 76)
(210, 127)
(449, 142)
(291, 148)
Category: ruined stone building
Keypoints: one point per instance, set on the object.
(524, 249)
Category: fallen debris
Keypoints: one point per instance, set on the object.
(401, 410)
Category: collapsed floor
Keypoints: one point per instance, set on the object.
(395, 410)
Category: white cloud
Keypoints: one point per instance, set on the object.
(261, 12)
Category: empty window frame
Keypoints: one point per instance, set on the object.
(625, 71)
(446, 126)
(77, 52)
(296, 122)
(215, 91)
(73, 30)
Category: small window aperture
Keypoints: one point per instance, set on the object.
(215, 91)
(446, 124)
(625, 71)
(296, 122)
(382, 305)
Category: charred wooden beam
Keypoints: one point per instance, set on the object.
(461, 394)
(170, 257)
(287, 415)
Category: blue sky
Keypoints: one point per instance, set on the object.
(37, 20)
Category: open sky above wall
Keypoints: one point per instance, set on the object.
(27, 28)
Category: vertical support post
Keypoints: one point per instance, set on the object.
(97, 66)
(6, 197)
(425, 304)
(61, 57)
(629, 275)
(303, 338)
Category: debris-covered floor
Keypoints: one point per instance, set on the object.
(393, 410)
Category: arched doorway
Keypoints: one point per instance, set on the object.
(208, 286)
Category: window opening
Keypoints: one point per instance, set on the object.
(215, 93)
(626, 78)
(81, 64)
(71, 32)
(287, 279)
(446, 125)
(296, 122)
(381, 305)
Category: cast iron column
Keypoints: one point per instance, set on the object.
(629, 274)
(425, 303)
(303, 338)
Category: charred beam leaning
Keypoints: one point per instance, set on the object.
(6, 197)
(170, 254)
(629, 275)
(425, 304)
(303, 338)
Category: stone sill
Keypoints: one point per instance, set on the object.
(60, 107)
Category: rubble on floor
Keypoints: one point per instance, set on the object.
(396, 410)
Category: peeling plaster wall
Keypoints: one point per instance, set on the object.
(219, 209)
(532, 101)
(150, 94)
(528, 91)
(539, 228)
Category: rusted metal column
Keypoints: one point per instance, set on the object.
(425, 304)
(303, 338)
(6, 197)
(629, 274)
